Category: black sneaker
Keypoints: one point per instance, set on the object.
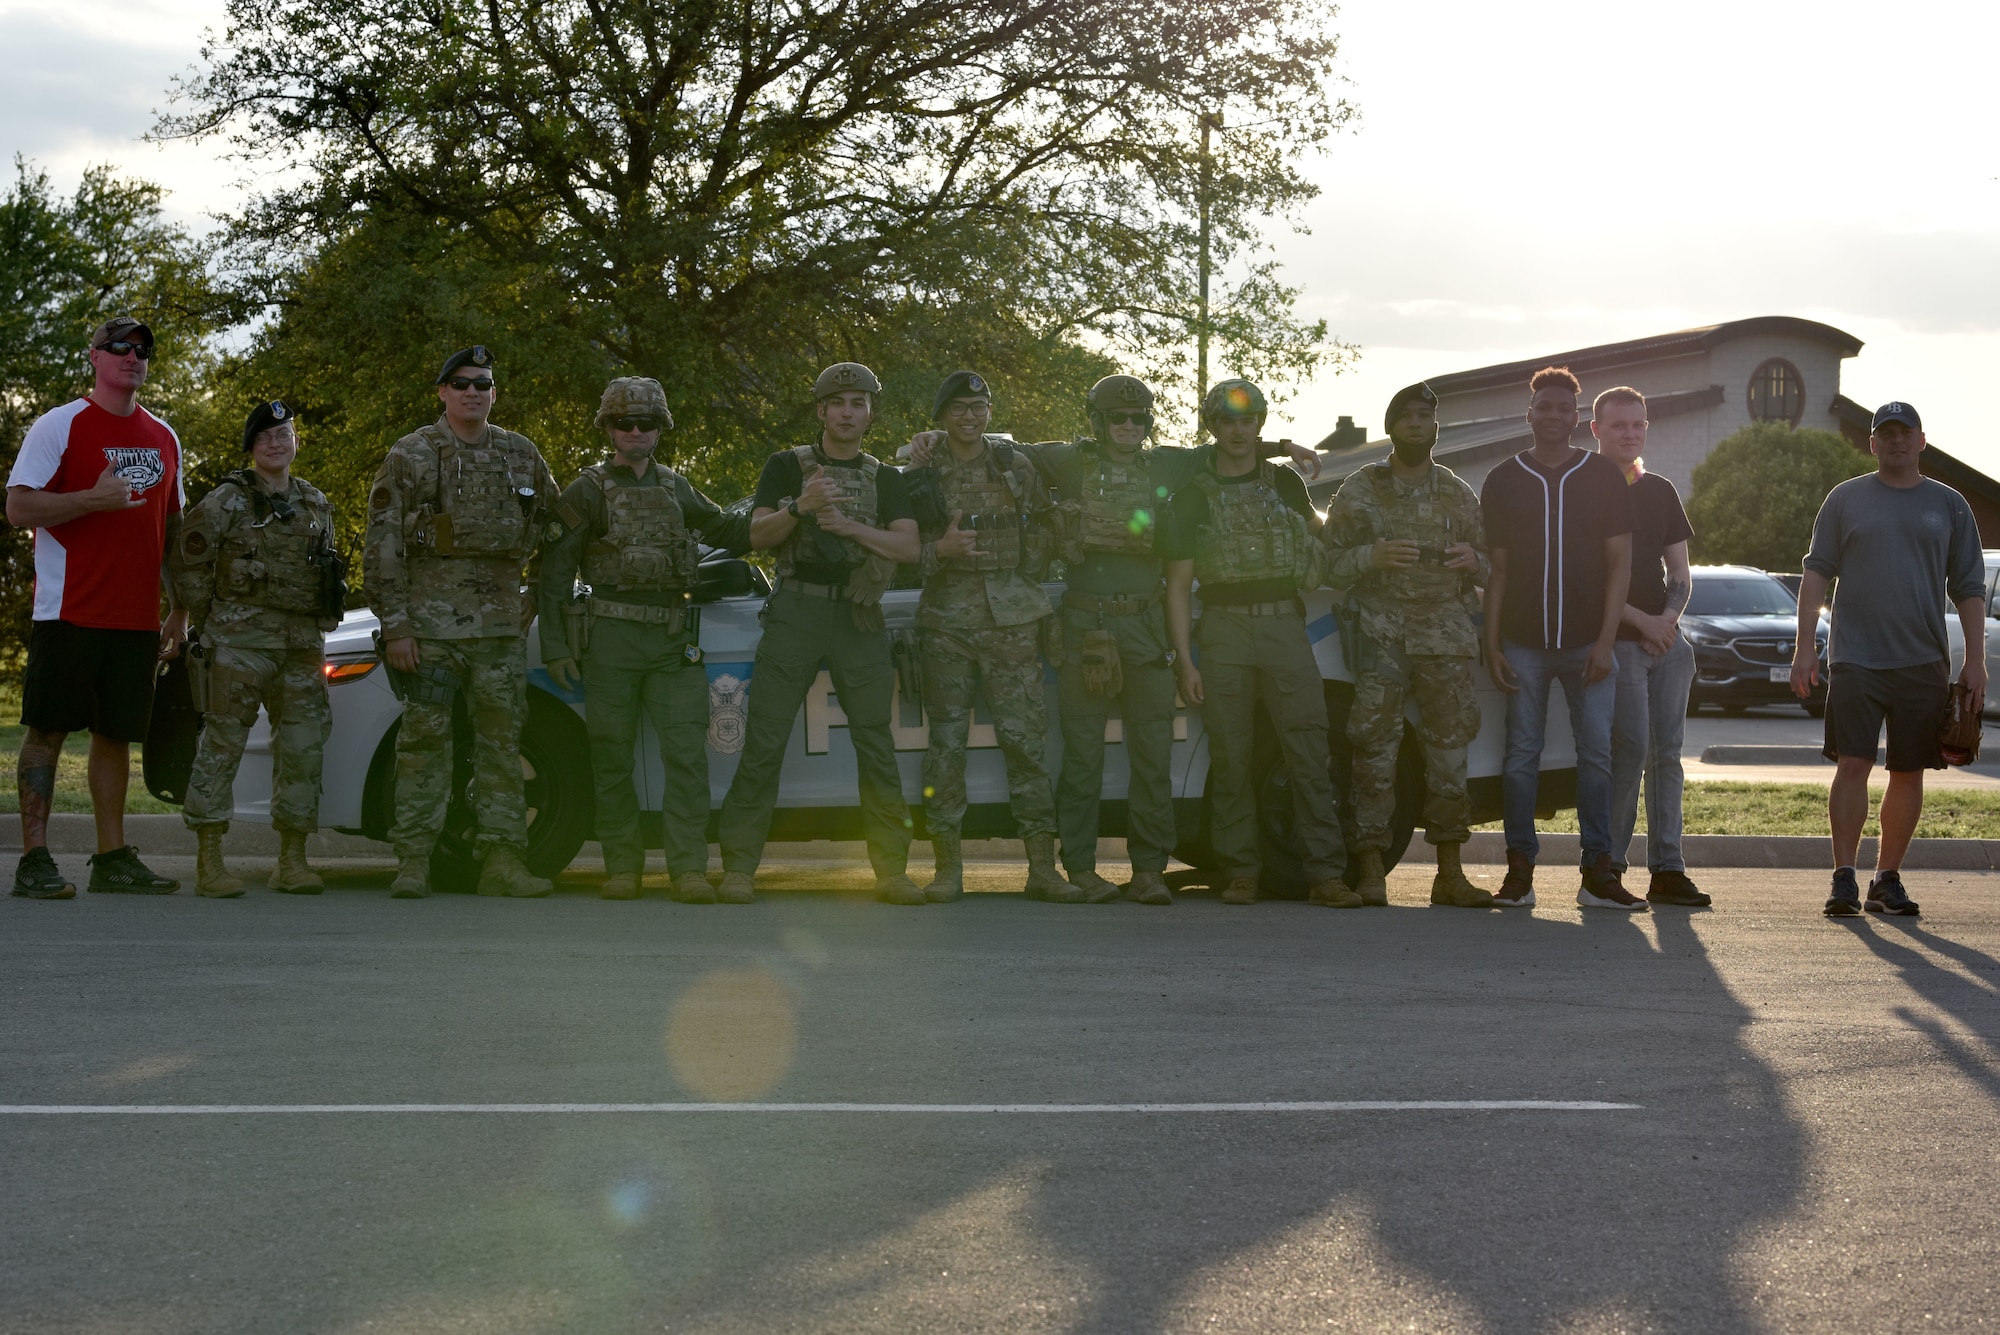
(1845, 902)
(1886, 895)
(120, 872)
(36, 876)
(1674, 887)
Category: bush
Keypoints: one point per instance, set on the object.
(1757, 493)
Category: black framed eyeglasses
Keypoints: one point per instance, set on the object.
(118, 347)
(1120, 419)
(482, 384)
(637, 423)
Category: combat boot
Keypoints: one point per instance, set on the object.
(1372, 883)
(1240, 890)
(692, 887)
(413, 878)
(211, 878)
(620, 885)
(738, 887)
(1096, 890)
(1044, 881)
(1149, 887)
(504, 874)
(1451, 889)
(293, 876)
(1333, 893)
(949, 882)
(1517, 887)
(900, 889)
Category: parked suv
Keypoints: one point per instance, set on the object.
(1743, 624)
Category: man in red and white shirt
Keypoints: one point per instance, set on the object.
(99, 480)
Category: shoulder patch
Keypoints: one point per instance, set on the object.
(554, 531)
(380, 498)
(569, 514)
(195, 543)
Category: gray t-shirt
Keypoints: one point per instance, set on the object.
(1900, 553)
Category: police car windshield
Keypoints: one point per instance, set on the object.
(1740, 596)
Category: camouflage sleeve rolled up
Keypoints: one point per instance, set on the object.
(577, 518)
(385, 573)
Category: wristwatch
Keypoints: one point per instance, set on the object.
(792, 506)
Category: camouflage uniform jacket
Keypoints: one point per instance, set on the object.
(1423, 608)
(450, 526)
(240, 568)
(999, 585)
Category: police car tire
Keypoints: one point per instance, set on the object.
(560, 797)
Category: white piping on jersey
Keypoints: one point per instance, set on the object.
(1554, 544)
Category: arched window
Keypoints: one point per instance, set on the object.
(1777, 393)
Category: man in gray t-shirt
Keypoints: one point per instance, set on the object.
(1901, 545)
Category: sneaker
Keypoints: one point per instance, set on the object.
(1886, 895)
(1601, 889)
(1845, 902)
(1517, 888)
(120, 872)
(36, 876)
(1674, 887)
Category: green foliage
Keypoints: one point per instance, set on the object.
(1756, 494)
(66, 265)
(729, 195)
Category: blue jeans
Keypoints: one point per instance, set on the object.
(1646, 738)
(1590, 710)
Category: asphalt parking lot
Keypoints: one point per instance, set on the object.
(1809, 1144)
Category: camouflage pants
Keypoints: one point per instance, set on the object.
(1146, 708)
(493, 678)
(1447, 721)
(291, 686)
(1007, 661)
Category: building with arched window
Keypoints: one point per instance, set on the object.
(1701, 385)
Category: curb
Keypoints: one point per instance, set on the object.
(1768, 755)
(166, 835)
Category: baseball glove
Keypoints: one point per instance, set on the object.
(1958, 738)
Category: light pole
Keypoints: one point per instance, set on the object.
(1210, 120)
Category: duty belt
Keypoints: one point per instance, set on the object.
(1110, 605)
(830, 591)
(1283, 608)
(672, 617)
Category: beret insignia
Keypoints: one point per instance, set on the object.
(480, 356)
(279, 411)
(975, 384)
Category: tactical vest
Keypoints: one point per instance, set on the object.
(1118, 506)
(268, 561)
(985, 494)
(482, 511)
(646, 543)
(1251, 533)
(1424, 518)
(854, 494)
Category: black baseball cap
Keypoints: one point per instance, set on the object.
(475, 356)
(1896, 412)
(262, 418)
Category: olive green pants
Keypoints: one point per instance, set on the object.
(1247, 661)
(1146, 706)
(801, 632)
(633, 670)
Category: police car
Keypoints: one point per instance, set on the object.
(818, 798)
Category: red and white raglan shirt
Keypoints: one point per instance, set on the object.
(102, 569)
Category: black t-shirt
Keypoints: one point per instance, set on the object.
(783, 479)
(1658, 522)
(1191, 515)
(1552, 524)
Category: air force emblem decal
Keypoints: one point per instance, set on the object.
(728, 707)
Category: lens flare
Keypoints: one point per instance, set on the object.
(732, 1034)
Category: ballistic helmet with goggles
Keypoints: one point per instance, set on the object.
(634, 396)
(1121, 394)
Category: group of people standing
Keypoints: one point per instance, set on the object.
(1576, 559)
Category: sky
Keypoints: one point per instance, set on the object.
(1523, 179)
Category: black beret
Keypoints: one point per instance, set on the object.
(262, 418)
(476, 356)
(1417, 393)
(959, 385)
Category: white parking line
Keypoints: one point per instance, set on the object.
(549, 1109)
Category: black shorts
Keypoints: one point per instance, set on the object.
(1913, 700)
(85, 677)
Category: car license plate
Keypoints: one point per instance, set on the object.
(1781, 674)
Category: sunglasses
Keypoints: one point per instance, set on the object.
(1120, 419)
(118, 347)
(482, 384)
(636, 423)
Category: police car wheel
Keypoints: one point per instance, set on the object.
(555, 781)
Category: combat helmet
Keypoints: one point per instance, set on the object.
(1233, 398)
(1119, 393)
(845, 378)
(633, 396)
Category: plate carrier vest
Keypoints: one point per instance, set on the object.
(479, 512)
(1251, 533)
(268, 562)
(646, 543)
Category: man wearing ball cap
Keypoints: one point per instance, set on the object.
(1405, 536)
